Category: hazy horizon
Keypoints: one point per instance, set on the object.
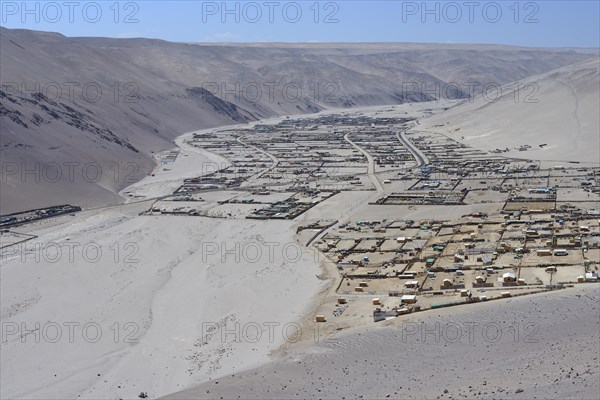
(525, 23)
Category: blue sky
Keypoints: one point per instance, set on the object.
(528, 23)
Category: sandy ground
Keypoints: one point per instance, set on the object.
(167, 177)
(540, 346)
(139, 312)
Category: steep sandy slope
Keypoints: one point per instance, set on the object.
(524, 348)
(556, 113)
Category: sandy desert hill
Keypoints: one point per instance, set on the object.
(556, 113)
(547, 359)
(153, 91)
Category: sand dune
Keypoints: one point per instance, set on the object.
(557, 110)
(540, 346)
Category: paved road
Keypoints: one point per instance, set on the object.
(274, 159)
(371, 164)
(416, 153)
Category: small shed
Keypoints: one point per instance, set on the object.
(509, 277)
(409, 298)
(591, 277)
(411, 284)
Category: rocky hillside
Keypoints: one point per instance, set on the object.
(72, 106)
